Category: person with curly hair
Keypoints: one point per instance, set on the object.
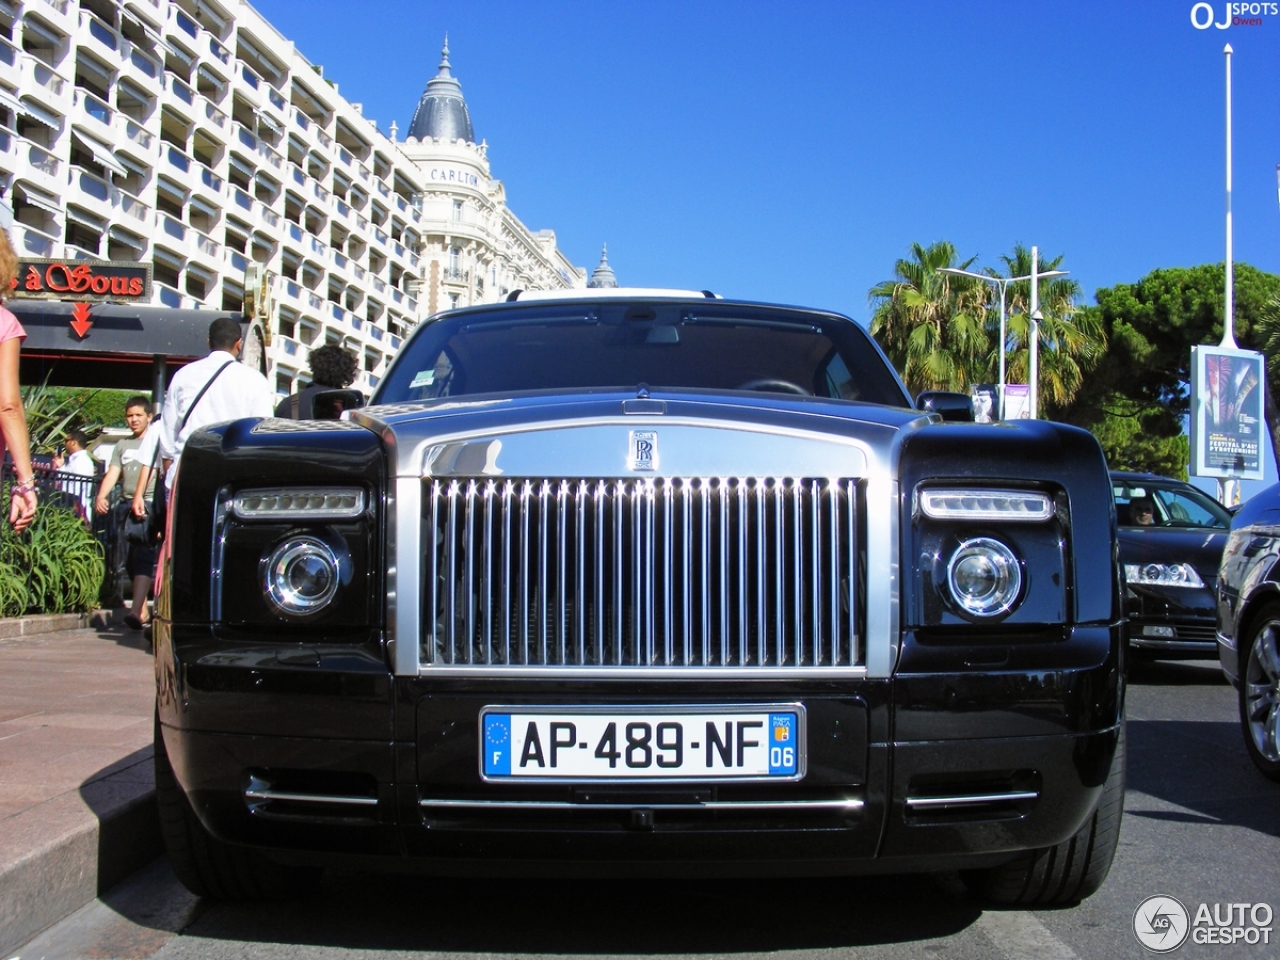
(13, 419)
(332, 368)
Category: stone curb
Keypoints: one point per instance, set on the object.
(62, 854)
(36, 624)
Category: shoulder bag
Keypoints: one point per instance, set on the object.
(158, 512)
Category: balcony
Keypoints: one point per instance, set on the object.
(172, 227)
(131, 206)
(49, 88)
(144, 63)
(43, 161)
(178, 159)
(221, 53)
(211, 113)
(182, 91)
(211, 179)
(184, 23)
(100, 32)
(242, 199)
(269, 216)
(206, 244)
(93, 108)
(29, 240)
(134, 133)
(10, 56)
(276, 100)
(95, 187)
(269, 155)
(455, 274)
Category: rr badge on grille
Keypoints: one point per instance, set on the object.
(643, 454)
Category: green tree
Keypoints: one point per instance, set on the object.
(1071, 341)
(1145, 373)
(933, 327)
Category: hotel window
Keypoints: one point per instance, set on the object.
(453, 301)
(457, 211)
(42, 41)
(84, 230)
(166, 267)
(94, 76)
(123, 245)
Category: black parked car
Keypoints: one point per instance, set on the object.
(1171, 540)
(655, 584)
(1249, 624)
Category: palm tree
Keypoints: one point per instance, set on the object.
(1071, 341)
(933, 327)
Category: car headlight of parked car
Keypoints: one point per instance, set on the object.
(1162, 574)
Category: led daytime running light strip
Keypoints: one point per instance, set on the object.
(1022, 506)
(312, 503)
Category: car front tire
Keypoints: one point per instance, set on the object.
(1069, 871)
(1260, 691)
(204, 864)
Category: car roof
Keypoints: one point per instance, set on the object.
(1125, 476)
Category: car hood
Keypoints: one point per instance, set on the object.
(1202, 548)
(593, 434)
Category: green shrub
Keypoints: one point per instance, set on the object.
(52, 411)
(55, 566)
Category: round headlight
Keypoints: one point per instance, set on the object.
(984, 577)
(301, 576)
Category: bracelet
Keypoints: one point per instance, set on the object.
(22, 489)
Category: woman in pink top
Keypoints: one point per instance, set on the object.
(13, 419)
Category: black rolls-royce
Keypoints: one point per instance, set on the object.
(647, 584)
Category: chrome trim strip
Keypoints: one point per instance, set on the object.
(221, 511)
(629, 673)
(849, 803)
(969, 800)
(252, 794)
(404, 602)
(881, 575)
(589, 447)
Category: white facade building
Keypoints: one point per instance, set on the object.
(190, 134)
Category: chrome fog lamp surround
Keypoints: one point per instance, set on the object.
(299, 503)
(300, 577)
(984, 577)
(960, 503)
(1162, 574)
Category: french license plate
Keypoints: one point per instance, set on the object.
(687, 743)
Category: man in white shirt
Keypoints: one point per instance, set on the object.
(234, 391)
(77, 462)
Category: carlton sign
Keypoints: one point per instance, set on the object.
(83, 280)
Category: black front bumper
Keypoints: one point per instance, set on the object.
(897, 771)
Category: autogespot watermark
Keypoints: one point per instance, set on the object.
(1203, 16)
(1162, 924)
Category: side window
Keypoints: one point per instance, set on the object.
(838, 380)
(1182, 511)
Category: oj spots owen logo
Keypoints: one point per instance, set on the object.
(1203, 15)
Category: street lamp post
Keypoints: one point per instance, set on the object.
(1003, 284)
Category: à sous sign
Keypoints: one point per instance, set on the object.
(84, 280)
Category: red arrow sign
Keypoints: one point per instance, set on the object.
(81, 322)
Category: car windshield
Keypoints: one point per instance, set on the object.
(602, 346)
(1155, 505)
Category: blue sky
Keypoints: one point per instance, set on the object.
(793, 151)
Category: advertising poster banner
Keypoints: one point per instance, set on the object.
(1017, 401)
(985, 407)
(1227, 412)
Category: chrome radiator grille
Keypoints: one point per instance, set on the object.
(652, 572)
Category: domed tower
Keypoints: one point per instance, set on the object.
(602, 276)
(442, 112)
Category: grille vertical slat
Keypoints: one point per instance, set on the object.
(742, 573)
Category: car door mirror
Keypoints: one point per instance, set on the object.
(948, 405)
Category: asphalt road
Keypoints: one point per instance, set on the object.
(1200, 825)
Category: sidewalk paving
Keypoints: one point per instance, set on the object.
(77, 792)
